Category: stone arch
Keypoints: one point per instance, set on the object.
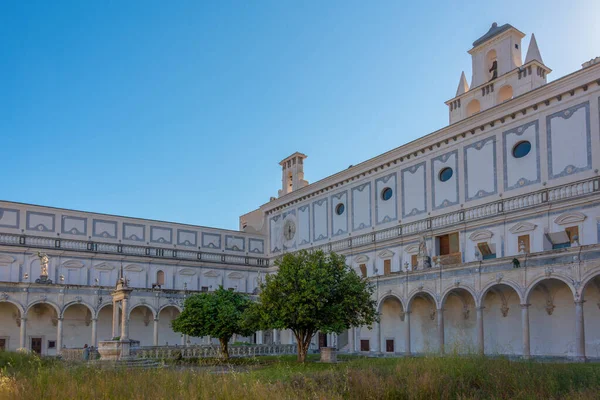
(590, 292)
(587, 279)
(455, 288)
(419, 293)
(554, 276)
(458, 305)
(166, 335)
(500, 303)
(46, 302)
(77, 324)
(18, 305)
(139, 305)
(505, 93)
(76, 302)
(161, 308)
(473, 107)
(141, 323)
(422, 309)
(387, 296)
(392, 323)
(515, 286)
(10, 322)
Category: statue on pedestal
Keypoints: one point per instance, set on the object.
(44, 261)
(424, 261)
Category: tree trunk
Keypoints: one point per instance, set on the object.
(224, 351)
(303, 339)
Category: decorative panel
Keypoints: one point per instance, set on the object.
(569, 141)
(187, 238)
(339, 223)
(386, 210)
(291, 217)
(524, 171)
(38, 221)
(9, 218)
(444, 193)
(235, 243)
(256, 246)
(414, 190)
(480, 169)
(161, 235)
(303, 225)
(134, 232)
(74, 225)
(211, 240)
(320, 223)
(276, 233)
(104, 229)
(361, 206)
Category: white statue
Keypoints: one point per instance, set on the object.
(44, 260)
(422, 247)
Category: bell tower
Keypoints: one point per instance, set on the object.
(292, 175)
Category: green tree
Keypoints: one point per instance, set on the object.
(218, 314)
(314, 292)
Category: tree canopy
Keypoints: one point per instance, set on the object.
(314, 292)
(217, 314)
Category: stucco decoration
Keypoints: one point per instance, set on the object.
(211, 240)
(482, 234)
(386, 210)
(236, 275)
(480, 174)
(256, 246)
(187, 238)
(361, 259)
(135, 232)
(361, 206)
(412, 249)
(414, 190)
(303, 228)
(73, 225)
(134, 268)
(161, 235)
(212, 274)
(570, 218)
(104, 266)
(386, 254)
(72, 264)
(6, 260)
(187, 272)
(444, 194)
(37, 221)
(339, 223)
(522, 227)
(276, 233)
(235, 243)
(320, 220)
(524, 171)
(9, 218)
(104, 229)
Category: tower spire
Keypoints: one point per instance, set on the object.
(463, 86)
(533, 52)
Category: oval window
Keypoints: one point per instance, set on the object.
(339, 209)
(521, 149)
(445, 174)
(386, 193)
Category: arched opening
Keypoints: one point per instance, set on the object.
(160, 278)
(505, 93)
(166, 336)
(591, 317)
(77, 326)
(41, 328)
(491, 65)
(105, 323)
(391, 325)
(473, 107)
(424, 335)
(10, 324)
(460, 322)
(502, 320)
(141, 325)
(551, 319)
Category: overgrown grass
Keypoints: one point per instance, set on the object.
(28, 377)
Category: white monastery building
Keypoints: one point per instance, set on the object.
(483, 236)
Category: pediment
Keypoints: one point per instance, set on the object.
(235, 275)
(482, 234)
(522, 227)
(134, 268)
(211, 274)
(6, 260)
(187, 272)
(412, 249)
(361, 258)
(570, 218)
(386, 254)
(72, 264)
(104, 266)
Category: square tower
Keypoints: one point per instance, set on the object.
(292, 176)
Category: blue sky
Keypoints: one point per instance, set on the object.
(181, 111)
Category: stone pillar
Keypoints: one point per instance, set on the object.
(95, 332)
(155, 335)
(377, 344)
(351, 337)
(525, 329)
(275, 338)
(124, 320)
(579, 332)
(407, 332)
(23, 336)
(182, 339)
(440, 326)
(115, 319)
(480, 336)
(259, 337)
(59, 336)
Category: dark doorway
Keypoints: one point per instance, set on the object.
(322, 340)
(364, 345)
(2, 344)
(389, 345)
(36, 345)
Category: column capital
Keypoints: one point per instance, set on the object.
(524, 306)
(480, 308)
(407, 312)
(156, 319)
(94, 319)
(579, 301)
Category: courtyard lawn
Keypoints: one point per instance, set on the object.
(28, 377)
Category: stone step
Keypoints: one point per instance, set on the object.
(126, 364)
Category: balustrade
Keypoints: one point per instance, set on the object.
(211, 351)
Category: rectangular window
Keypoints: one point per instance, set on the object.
(573, 233)
(523, 243)
(364, 345)
(448, 244)
(414, 261)
(487, 250)
(204, 289)
(389, 345)
(387, 267)
(51, 344)
(2, 344)
(559, 240)
(363, 270)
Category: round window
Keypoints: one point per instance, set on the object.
(386, 193)
(521, 149)
(339, 209)
(445, 174)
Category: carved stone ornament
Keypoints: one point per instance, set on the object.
(466, 312)
(548, 271)
(432, 313)
(43, 298)
(457, 282)
(550, 307)
(420, 287)
(504, 309)
(3, 296)
(499, 277)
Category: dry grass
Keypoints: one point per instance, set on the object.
(27, 377)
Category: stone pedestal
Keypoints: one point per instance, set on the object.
(328, 355)
(115, 350)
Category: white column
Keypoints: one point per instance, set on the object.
(275, 338)
(579, 332)
(357, 339)
(115, 319)
(95, 332)
(59, 334)
(23, 336)
(259, 337)
(351, 337)
(182, 339)
(124, 320)
(480, 336)
(440, 325)
(525, 329)
(407, 332)
(377, 344)
(155, 333)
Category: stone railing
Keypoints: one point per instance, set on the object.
(212, 351)
(448, 259)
